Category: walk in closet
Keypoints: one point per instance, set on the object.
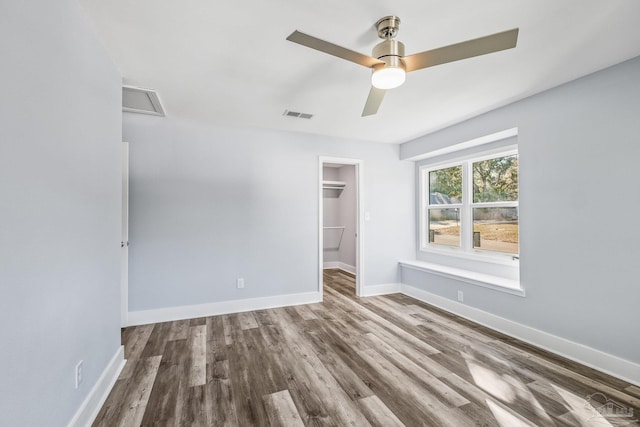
(339, 217)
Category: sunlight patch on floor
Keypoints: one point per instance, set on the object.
(507, 388)
(580, 409)
(506, 418)
(492, 383)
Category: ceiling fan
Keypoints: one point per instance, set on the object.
(389, 64)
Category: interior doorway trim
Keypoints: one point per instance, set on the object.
(124, 240)
(359, 219)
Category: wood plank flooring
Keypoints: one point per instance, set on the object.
(348, 361)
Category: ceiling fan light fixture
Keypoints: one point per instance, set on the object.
(389, 64)
(388, 77)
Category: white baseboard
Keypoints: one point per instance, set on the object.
(144, 317)
(88, 411)
(331, 265)
(383, 289)
(613, 365)
(346, 267)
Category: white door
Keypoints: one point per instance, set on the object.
(124, 242)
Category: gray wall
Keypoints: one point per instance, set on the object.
(579, 202)
(60, 183)
(213, 203)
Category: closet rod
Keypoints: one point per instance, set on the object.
(341, 228)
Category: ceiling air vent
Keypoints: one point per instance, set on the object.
(297, 114)
(140, 100)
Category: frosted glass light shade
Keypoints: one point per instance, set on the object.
(388, 77)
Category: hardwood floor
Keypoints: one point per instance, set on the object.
(381, 361)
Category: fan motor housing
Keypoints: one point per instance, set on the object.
(390, 51)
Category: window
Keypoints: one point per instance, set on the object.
(471, 206)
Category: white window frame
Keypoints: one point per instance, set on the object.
(466, 248)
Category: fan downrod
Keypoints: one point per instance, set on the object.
(388, 27)
(389, 51)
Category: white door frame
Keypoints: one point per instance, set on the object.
(124, 242)
(359, 174)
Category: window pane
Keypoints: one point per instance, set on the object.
(496, 229)
(496, 180)
(445, 186)
(444, 227)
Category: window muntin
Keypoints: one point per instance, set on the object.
(472, 206)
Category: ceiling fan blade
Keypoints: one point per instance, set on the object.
(373, 101)
(332, 49)
(468, 49)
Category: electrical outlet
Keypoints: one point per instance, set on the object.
(460, 296)
(240, 283)
(79, 367)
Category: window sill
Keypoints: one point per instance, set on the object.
(489, 281)
(477, 255)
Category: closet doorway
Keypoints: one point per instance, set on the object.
(340, 228)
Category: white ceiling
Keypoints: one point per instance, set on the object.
(228, 61)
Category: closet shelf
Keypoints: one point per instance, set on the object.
(333, 185)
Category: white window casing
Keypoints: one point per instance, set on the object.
(466, 248)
